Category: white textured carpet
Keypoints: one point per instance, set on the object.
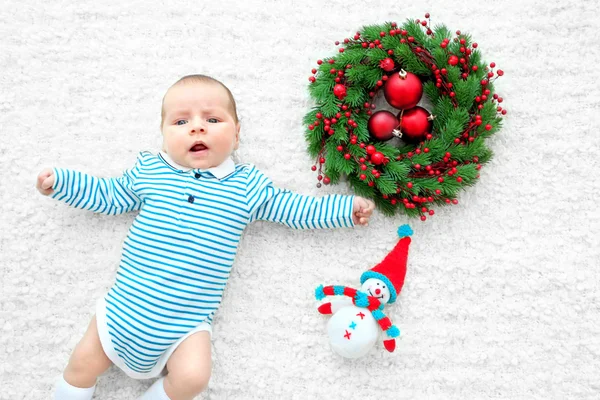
(501, 298)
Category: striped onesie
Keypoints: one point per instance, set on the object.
(179, 250)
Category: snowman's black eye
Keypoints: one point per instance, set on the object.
(377, 283)
(384, 287)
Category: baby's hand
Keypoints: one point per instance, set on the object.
(362, 210)
(45, 181)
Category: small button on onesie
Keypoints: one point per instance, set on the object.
(191, 199)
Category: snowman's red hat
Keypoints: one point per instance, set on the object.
(392, 269)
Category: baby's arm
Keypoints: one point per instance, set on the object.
(102, 195)
(266, 202)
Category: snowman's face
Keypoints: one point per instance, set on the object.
(376, 288)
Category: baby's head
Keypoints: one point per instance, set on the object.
(199, 122)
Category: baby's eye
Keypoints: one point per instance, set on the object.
(178, 122)
(213, 120)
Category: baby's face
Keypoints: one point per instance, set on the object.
(199, 129)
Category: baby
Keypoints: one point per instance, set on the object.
(194, 203)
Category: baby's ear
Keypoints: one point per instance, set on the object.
(237, 136)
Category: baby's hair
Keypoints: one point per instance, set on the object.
(198, 78)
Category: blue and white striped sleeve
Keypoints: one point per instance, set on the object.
(268, 203)
(102, 195)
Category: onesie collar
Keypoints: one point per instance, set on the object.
(222, 170)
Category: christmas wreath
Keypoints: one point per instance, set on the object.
(415, 159)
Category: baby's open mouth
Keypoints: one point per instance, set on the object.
(198, 147)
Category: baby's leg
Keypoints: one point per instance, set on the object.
(88, 360)
(189, 367)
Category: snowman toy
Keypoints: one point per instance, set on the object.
(357, 317)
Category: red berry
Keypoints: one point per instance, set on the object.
(371, 149)
(377, 158)
(459, 179)
(488, 127)
(314, 168)
(362, 177)
(475, 45)
(427, 15)
(409, 185)
(423, 218)
(500, 72)
(322, 160)
(326, 180)
(493, 64)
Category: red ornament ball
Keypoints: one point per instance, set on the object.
(403, 90)
(382, 124)
(339, 91)
(414, 124)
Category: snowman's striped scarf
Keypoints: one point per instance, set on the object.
(361, 299)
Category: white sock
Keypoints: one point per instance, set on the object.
(64, 391)
(156, 391)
